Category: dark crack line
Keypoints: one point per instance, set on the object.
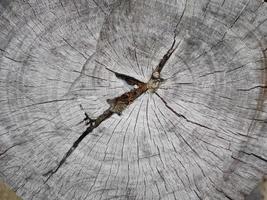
(180, 19)
(102, 10)
(14, 60)
(120, 103)
(81, 72)
(93, 124)
(66, 41)
(239, 14)
(255, 87)
(167, 56)
(182, 116)
(45, 102)
(206, 9)
(117, 105)
(129, 80)
(11, 147)
(102, 79)
(211, 73)
(222, 192)
(255, 155)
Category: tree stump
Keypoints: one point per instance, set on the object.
(133, 99)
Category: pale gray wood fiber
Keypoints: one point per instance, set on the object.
(201, 135)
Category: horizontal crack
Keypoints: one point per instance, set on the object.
(102, 79)
(248, 89)
(45, 102)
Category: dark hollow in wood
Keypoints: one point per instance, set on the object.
(133, 99)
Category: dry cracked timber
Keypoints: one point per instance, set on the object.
(124, 99)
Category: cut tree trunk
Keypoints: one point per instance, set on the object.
(133, 99)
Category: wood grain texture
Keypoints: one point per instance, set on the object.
(198, 129)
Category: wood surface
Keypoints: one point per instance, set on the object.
(133, 99)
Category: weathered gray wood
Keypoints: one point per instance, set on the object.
(200, 134)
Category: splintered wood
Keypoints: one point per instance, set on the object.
(137, 99)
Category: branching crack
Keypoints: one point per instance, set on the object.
(120, 103)
(92, 125)
(117, 105)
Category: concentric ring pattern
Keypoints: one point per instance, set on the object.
(201, 135)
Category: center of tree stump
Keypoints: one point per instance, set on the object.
(153, 85)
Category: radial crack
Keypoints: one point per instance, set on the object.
(117, 105)
(93, 124)
(255, 87)
(182, 116)
(166, 57)
(120, 103)
(129, 80)
(255, 155)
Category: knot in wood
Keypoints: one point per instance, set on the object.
(153, 85)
